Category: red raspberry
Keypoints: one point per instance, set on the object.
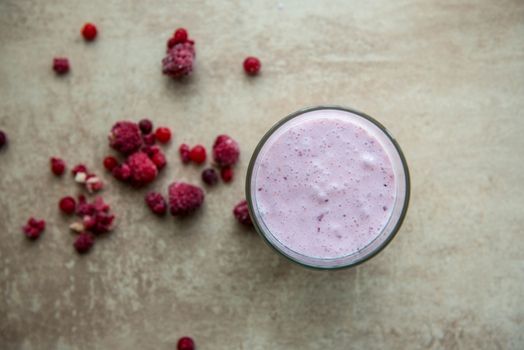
(252, 65)
(179, 60)
(79, 168)
(149, 139)
(34, 228)
(3, 139)
(60, 65)
(125, 137)
(185, 343)
(57, 166)
(226, 174)
(241, 213)
(184, 153)
(67, 205)
(210, 177)
(163, 134)
(184, 198)
(198, 154)
(225, 151)
(146, 126)
(89, 31)
(122, 172)
(143, 170)
(93, 183)
(156, 202)
(110, 163)
(84, 242)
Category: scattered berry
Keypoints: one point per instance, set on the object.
(149, 139)
(3, 139)
(34, 228)
(179, 60)
(125, 137)
(93, 183)
(89, 31)
(241, 213)
(225, 151)
(163, 134)
(79, 168)
(96, 216)
(143, 170)
(198, 154)
(84, 242)
(146, 126)
(252, 65)
(156, 202)
(67, 205)
(60, 65)
(184, 153)
(209, 176)
(110, 163)
(185, 343)
(184, 198)
(122, 172)
(226, 174)
(159, 159)
(57, 166)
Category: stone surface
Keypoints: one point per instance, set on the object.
(446, 77)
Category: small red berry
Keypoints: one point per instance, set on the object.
(79, 168)
(156, 202)
(57, 166)
(67, 205)
(84, 242)
(163, 134)
(159, 159)
(149, 139)
(184, 153)
(110, 163)
(60, 65)
(241, 213)
(185, 343)
(252, 65)
(34, 228)
(3, 139)
(209, 176)
(122, 172)
(180, 35)
(89, 31)
(226, 174)
(146, 126)
(198, 154)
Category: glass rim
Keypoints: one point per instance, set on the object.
(279, 124)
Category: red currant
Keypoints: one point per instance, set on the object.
(198, 154)
(163, 134)
(89, 31)
(252, 65)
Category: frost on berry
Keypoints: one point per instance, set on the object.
(143, 170)
(179, 60)
(241, 213)
(184, 198)
(225, 151)
(125, 137)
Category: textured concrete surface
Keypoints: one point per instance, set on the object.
(446, 77)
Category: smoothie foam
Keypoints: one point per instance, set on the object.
(323, 183)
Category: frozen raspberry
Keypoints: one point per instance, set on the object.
(110, 163)
(179, 60)
(98, 223)
(198, 154)
(125, 137)
(93, 183)
(34, 228)
(84, 242)
(184, 153)
(184, 198)
(210, 177)
(67, 205)
(149, 139)
(225, 151)
(3, 139)
(122, 172)
(89, 31)
(163, 134)
(252, 65)
(79, 168)
(143, 170)
(156, 202)
(60, 65)
(226, 174)
(146, 126)
(57, 166)
(185, 343)
(241, 213)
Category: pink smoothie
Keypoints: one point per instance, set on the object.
(324, 184)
